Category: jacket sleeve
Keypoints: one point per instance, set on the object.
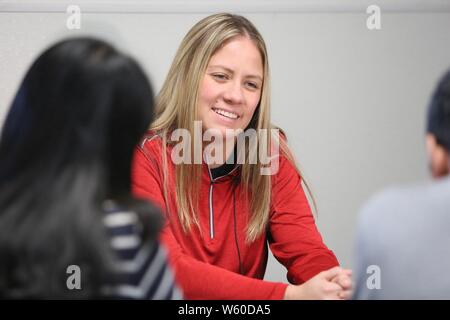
(293, 236)
(198, 280)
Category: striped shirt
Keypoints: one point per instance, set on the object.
(140, 268)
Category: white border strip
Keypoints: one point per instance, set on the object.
(241, 6)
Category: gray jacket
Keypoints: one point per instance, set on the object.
(402, 248)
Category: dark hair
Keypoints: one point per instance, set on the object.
(438, 122)
(67, 146)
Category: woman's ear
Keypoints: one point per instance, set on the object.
(438, 157)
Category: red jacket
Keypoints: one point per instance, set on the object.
(207, 266)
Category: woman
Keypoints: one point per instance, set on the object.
(221, 215)
(65, 202)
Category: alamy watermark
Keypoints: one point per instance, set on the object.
(74, 19)
(373, 282)
(374, 20)
(213, 145)
(73, 281)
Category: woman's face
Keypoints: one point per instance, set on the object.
(231, 87)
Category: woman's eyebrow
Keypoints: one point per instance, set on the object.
(254, 76)
(221, 67)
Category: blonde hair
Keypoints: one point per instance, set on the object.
(176, 107)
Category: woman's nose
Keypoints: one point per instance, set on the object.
(233, 94)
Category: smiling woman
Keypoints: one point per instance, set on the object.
(231, 87)
(220, 218)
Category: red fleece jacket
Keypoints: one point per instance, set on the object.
(207, 265)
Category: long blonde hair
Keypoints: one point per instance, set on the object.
(176, 107)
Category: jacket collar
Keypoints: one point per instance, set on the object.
(229, 176)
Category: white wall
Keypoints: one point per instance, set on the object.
(351, 100)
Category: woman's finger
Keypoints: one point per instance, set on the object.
(345, 294)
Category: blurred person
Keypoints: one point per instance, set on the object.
(65, 155)
(404, 232)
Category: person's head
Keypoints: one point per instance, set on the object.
(230, 89)
(221, 64)
(438, 129)
(81, 104)
(66, 146)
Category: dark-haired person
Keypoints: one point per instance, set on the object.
(404, 233)
(65, 154)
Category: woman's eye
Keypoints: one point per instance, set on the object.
(220, 76)
(252, 85)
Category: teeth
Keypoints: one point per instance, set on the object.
(226, 113)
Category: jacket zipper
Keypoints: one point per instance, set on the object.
(211, 211)
(211, 208)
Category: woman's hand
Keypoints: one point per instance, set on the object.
(332, 284)
(344, 279)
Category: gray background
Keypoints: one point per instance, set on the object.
(351, 100)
